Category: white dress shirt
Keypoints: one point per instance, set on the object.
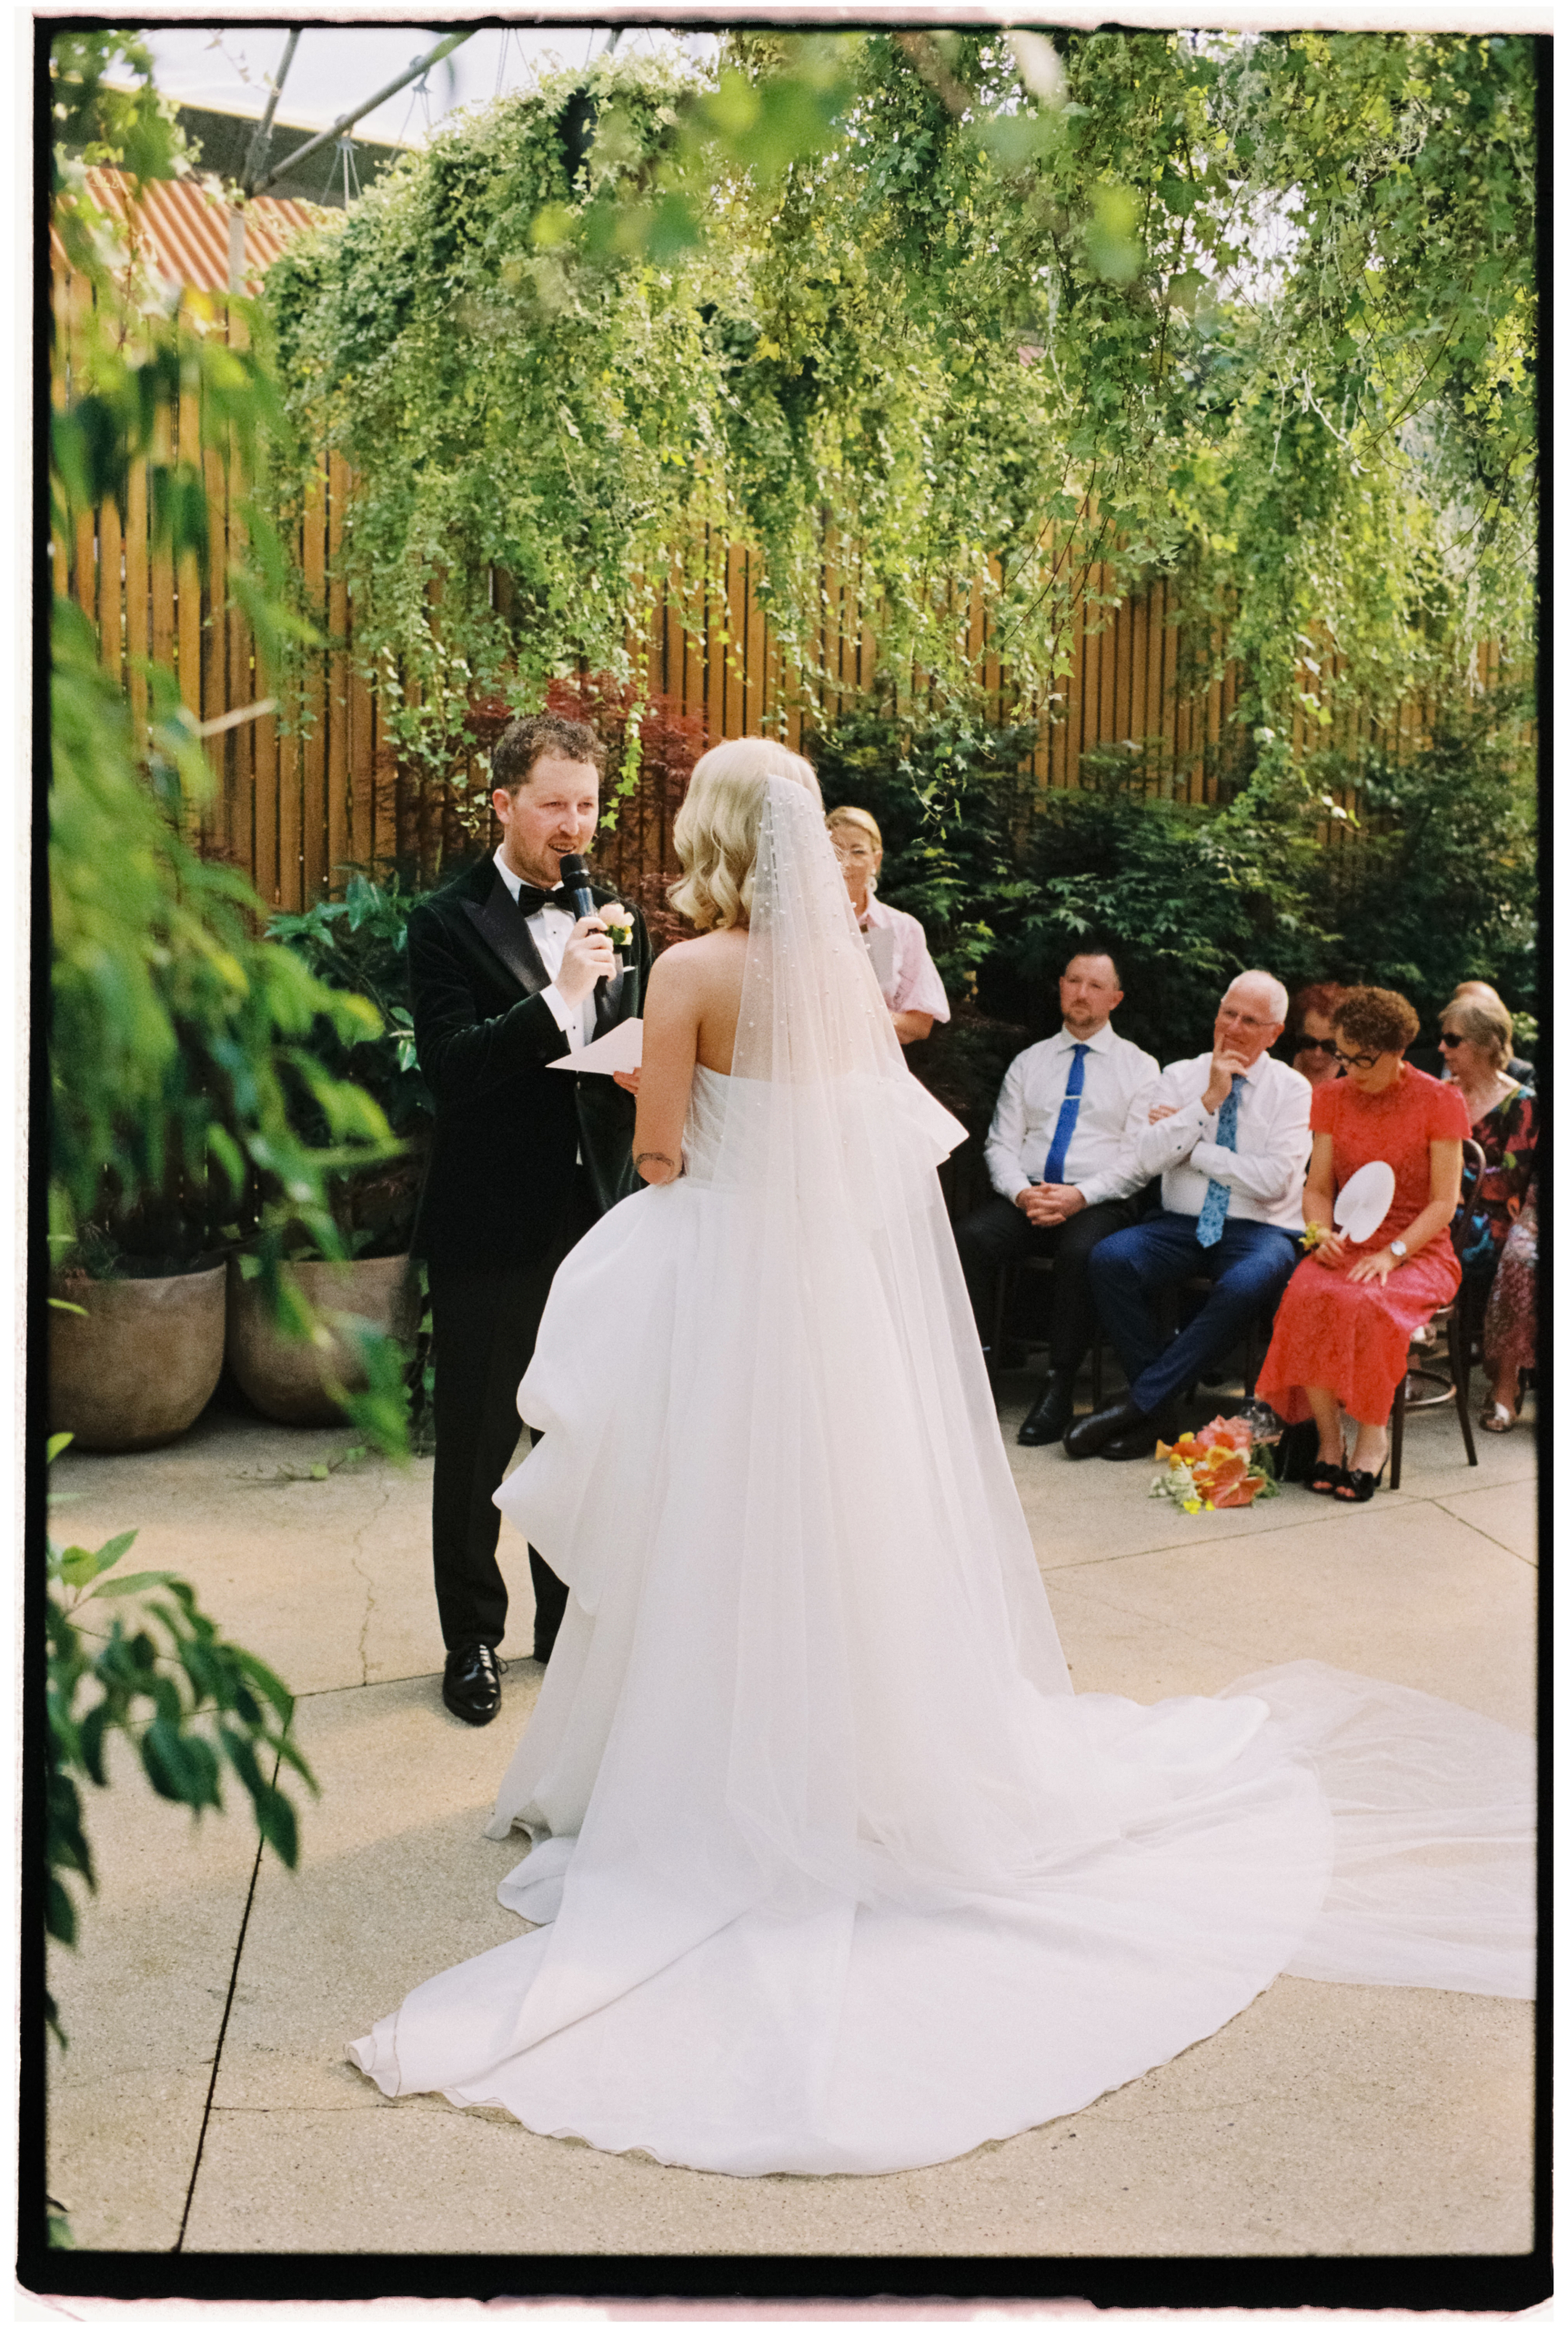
(1265, 1170)
(1101, 1162)
(549, 928)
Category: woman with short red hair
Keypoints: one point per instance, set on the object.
(1342, 1335)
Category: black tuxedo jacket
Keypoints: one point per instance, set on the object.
(509, 1130)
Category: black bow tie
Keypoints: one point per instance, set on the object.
(530, 900)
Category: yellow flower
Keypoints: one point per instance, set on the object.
(1193, 1504)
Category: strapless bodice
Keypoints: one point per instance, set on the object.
(705, 1117)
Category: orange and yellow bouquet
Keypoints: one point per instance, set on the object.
(1219, 1468)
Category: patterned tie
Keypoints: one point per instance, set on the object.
(1067, 1121)
(1217, 1201)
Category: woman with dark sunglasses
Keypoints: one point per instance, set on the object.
(1343, 1332)
(1309, 1044)
(1477, 1041)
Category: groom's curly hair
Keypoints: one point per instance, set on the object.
(524, 741)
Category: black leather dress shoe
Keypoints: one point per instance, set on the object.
(471, 1685)
(1050, 1416)
(1090, 1433)
(1139, 1439)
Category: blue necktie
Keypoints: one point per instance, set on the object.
(1217, 1201)
(1067, 1121)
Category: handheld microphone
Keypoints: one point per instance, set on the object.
(574, 882)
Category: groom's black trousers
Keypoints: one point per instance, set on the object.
(483, 1323)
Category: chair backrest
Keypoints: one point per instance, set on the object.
(1474, 1166)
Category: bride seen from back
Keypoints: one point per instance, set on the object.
(831, 1870)
(693, 1000)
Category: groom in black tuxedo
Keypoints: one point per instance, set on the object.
(505, 979)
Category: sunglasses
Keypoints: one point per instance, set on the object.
(1319, 1044)
(1448, 1041)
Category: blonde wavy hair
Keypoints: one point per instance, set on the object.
(716, 831)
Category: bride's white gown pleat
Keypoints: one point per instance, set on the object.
(831, 1869)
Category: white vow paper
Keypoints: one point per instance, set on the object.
(622, 1048)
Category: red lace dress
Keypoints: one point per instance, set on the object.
(1355, 1339)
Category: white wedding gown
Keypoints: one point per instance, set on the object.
(831, 1871)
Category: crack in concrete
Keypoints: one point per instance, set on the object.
(1466, 1522)
(355, 1542)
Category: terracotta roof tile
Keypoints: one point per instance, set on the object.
(186, 228)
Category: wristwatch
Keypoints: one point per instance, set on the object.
(1399, 1250)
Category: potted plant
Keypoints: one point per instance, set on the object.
(136, 1342)
(357, 945)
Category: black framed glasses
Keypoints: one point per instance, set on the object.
(1319, 1044)
(1358, 1059)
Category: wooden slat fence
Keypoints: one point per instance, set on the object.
(295, 803)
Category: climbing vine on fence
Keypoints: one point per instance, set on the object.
(966, 314)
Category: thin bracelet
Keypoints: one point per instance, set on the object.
(655, 1156)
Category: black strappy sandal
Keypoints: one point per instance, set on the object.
(1360, 1484)
(1324, 1479)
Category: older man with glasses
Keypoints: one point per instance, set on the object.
(1229, 1133)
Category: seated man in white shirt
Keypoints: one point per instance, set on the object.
(1229, 1133)
(1062, 1174)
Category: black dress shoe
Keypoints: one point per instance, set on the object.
(1050, 1416)
(471, 1685)
(1089, 1435)
(1139, 1439)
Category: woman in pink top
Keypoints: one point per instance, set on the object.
(905, 970)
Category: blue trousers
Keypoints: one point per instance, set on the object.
(1249, 1265)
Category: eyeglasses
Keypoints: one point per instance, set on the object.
(1319, 1044)
(1358, 1059)
(1242, 1019)
(1448, 1041)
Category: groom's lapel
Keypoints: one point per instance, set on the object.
(506, 933)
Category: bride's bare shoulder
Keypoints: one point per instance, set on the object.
(708, 961)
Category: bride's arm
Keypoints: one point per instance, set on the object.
(671, 1014)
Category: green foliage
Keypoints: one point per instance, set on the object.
(357, 946)
(1443, 887)
(160, 1672)
(967, 314)
(1009, 880)
(184, 1048)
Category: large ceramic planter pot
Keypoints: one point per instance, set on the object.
(287, 1379)
(138, 1368)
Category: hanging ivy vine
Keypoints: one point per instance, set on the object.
(966, 314)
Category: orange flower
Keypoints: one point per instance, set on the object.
(1240, 1492)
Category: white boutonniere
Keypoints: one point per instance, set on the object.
(618, 921)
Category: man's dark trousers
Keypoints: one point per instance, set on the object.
(1249, 1265)
(997, 1233)
(484, 1324)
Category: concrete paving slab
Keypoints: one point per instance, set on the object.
(327, 1579)
(1510, 1515)
(141, 1998)
(1093, 1510)
(396, 1881)
(1323, 2121)
(1410, 1594)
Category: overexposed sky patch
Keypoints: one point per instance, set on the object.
(229, 65)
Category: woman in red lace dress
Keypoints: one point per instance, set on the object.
(1343, 1332)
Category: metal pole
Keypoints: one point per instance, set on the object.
(261, 144)
(420, 64)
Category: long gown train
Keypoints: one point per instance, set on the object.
(831, 1871)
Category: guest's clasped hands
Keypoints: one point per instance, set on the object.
(1046, 1203)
